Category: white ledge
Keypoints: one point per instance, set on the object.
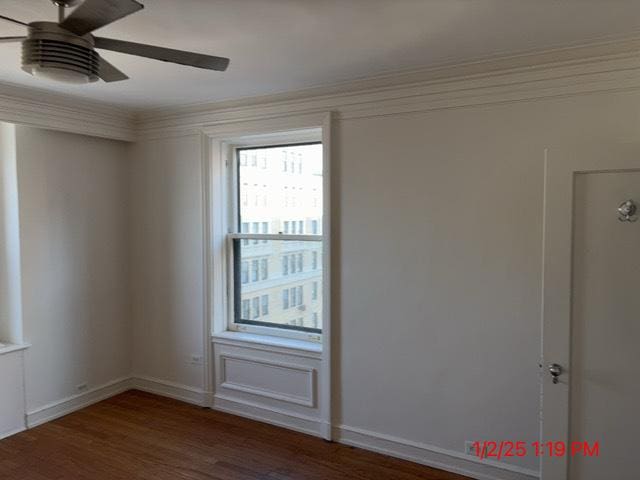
(11, 347)
(268, 341)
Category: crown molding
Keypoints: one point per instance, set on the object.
(38, 108)
(597, 67)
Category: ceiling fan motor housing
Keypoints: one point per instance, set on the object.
(50, 47)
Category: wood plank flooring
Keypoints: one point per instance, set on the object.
(136, 436)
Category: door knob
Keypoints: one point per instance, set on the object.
(555, 370)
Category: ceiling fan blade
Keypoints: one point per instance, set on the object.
(109, 73)
(12, 20)
(93, 14)
(191, 59)
(11, 39)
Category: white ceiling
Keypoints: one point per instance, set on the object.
(284, 45)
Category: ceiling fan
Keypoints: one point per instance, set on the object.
(65, 51)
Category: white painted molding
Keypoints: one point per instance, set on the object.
(424, 454)
(173, 390)
(42, 109)
(12, 432)
(76, 402)
(273, 416)
(263, 343)
(6, 348)
(596, 67)
(607, 66)
(309, 372)
(432, 456)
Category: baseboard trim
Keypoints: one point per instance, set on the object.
(432, 456)
(173, 390)
(76, 402)
(261, 413)
(10, 433)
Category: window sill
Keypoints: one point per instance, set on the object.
(266, 342)
(10, 347)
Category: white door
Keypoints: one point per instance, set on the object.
(593, 334)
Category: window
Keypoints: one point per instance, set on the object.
(256, 307)
(245, 229)
(254, 270)
(255, 251)
(256, 229)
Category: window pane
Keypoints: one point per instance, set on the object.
(294, 308)
(245, 272)
(256, 307)
(289, 188)
(254, 270)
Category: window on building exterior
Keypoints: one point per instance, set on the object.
(267, 265)
(245, 272)
(254, 270)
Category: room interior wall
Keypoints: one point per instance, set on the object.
(74, 216)
(10, 291)
(444, 205)
(168, 261)
(445, 200)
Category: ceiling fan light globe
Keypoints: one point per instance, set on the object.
(60, 75)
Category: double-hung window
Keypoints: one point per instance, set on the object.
(267, 265)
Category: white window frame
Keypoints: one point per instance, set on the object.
(231, 230)
(215, 139)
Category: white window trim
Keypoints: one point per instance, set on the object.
(221, 186)
(215, 217)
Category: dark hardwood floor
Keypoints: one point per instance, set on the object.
(137, 436)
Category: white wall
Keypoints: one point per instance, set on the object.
(11, 393)
(74, 214)
(437, 239)
(168, 262)
(10, 292)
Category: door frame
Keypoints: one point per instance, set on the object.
(561, 166)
